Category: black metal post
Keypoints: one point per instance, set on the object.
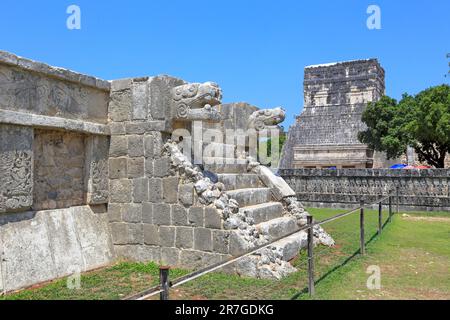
(164, 282)
(398, 199)
(361, 227)
(311, 287)
(390, 209)
(380, 218)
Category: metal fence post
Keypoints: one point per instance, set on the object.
(390, 209)
(380, 218)
(361, 227)
(398, 199)
(311, 287)
(164, 282)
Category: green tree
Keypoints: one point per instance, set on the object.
(421, 121)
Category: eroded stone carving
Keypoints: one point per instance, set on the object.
(264, 119)
(16, 163)
(97, 170)
(196, 101)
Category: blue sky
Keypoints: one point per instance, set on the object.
(255, 50)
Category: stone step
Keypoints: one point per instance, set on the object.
(225, 165)
(251, 196)
(234, 181)
(278, 227)
(223, 150)
(290, 247)
(264, 212)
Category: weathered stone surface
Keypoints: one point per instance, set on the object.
(161, 167)
(120, 105)
(167, 236)
(419, 189)
(132, 213)
(97, 169)
(16, 168)
(184, 238)
(117, 128)
(147, 212)
(212, 218)
(170, 256)
(179, 215)
(221, 241)
(155, 190)
(114, 212)
(135, 167)
(34, 92)
(118, 168)
(53, 244)
(203, 239)
(149, 146)
(135, 146)
(151, 235)
(60, 171)
(118, 146)
(196, 216)
(186, 194)
(161, 214)
(263, 119)
(140, 190)
(170, 189)
(120, 191)
(140, 100)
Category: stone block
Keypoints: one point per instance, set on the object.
(184, 238)
(196, 217)
(170, 189)
(118, 146)
(135, 167)
(132, 213)
(140, 100)
(221, 241)
(203, 239)
(120, 191)
(117, 128)
(140, 190)
(179, 215)
(135, 233)
(238, 245)
(155, 190)
(148, 167)
(161, 214)
(151, 235)
(167, 236)
(212, 219)
(149, 146)
(186, 194)
(117, 168)
(119, 232)
(120, 106)
(114, 212)
(170, 256)
(135, 146)
(147, 212)
(161, 167)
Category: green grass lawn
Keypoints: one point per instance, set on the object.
(413, 254)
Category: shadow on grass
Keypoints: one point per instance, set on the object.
(339, 266)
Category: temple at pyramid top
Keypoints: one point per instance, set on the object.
(326, 133)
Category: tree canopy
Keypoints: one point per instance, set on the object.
(421, 121)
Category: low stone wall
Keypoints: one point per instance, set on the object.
(39, 246)
(418, 189)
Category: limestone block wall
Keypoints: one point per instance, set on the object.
(419, 189)
(153, 214)
(54, 143)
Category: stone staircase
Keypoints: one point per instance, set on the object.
(265, 209)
